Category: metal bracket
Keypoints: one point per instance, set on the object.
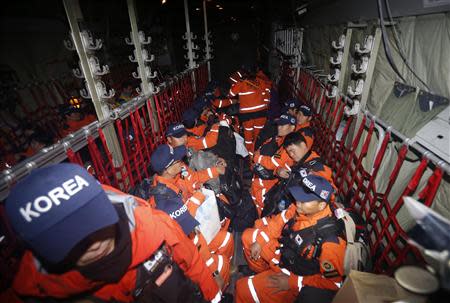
(143, 39)
(68, 43)
(340, 44)
(77, 73)
(89, 42)
(96, 68)
(359, 86)
(333, 93)
(367, 46)
(334, 77)
(362, 69)
(353, 110)
(102, 91)
(338, 59)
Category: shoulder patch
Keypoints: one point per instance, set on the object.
(327, 266)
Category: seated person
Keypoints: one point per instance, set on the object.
(269, 158)
(304, 117)
(170, 193)
(74, 119)
(291, 259)
(93, 242)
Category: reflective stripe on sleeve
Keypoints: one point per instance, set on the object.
(254, 235)
(194, 200)
(225, 241)
(260, 158)
(233, 80)
(283, 216)
(231, 93)
(209, 261)
(246, 93)
(220, 103)
(252, 289)
(239, 74)
(210, 174)
(275, 261)
(253, 107)
(300, 283)
(285, 271)
(265, 236)
(274, 161)
(205, 145)
(217, 298)
(195, 240)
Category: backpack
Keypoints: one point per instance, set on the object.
(357, 253)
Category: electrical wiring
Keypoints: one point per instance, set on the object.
(386, 45)
(399, 45)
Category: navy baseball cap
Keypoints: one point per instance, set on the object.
(199, 104)
(292, 103)
(176, 130)
(178, 211)
(286, 119)
(56, 207)
(306, 110)
(312, 188)
(190, 115)
(164, 155)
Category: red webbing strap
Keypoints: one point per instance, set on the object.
(429, 192)
(392, 221)
(125, 152)
(339, 116)
(140, 150)
(74, 157)
(97, 161)
(341, 175)
(368, 200)
(117, 183)
(398, 165)
(359, 167)
(161, 128)
(331, 132)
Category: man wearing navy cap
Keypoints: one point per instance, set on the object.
(194, 127)
(304, 117)
(299, 254)
(269, 158)
(291, 107)
(178, 195)
(85, 239)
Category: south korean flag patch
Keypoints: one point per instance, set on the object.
(299, 240)
(324, 194)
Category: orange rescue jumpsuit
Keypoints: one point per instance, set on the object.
(306, 130)
(257, 289)
(280, 159)
(253, 103)
(151, 228)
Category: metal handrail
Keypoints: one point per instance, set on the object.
(56, 153)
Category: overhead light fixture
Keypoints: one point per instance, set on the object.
(197, 9)
(163, 1)
(217, 5)
(220, 8)
(301, 9)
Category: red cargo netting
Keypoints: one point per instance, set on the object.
(355, 183)
(139, 133)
